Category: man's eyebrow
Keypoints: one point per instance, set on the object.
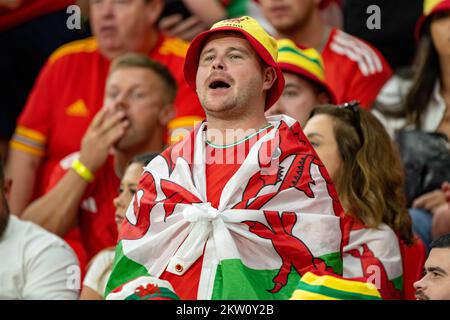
(236, 48)
(242, 50)
(207, 51)
(436, 269)
(291, 85)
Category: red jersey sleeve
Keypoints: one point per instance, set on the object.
(33, 125)
(60, 170)
(354, 69)
(366, 88)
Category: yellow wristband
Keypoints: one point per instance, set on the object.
(81, 169)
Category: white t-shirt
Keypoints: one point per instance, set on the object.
(98, 274)
(35, 264)
(394, 93)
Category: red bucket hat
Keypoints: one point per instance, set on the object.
(264, 45)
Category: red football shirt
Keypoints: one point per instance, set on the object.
(68, 93)
(29, 9)
(222, 164)
(354, 69)
(96, 222)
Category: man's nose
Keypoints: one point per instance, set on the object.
(419, 284)
(120, 102)
(106, 9)
(219, 64)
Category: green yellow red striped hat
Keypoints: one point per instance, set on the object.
(331, 287)
(306, 62)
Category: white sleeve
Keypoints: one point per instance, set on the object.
(52, 271)
(98, 274)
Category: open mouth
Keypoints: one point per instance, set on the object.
(219, 84)
(108, 30)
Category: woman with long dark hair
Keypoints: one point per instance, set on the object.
(424, 108)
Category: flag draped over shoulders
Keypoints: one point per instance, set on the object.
(278, 217)
(374, 255)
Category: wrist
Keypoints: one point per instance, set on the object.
(82, 170)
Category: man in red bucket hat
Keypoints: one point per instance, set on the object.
(242, 207)
(254, 36)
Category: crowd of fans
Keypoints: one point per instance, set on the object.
(85, 110)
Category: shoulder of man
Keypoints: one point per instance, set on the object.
(35, 239)
(74, 49)
(171, 46)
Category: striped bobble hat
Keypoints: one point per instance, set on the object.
(331, 287)
(305, 62)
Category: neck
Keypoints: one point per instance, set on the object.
(149, 41)
(310, 34)
(123, 157)
(146, 45)
(224, 132)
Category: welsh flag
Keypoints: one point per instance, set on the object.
(278, 218)
(373, 254)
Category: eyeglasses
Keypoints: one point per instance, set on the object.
(354, 106)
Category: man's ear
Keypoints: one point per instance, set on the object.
(323, 98)
(154, 9)
(166, 114)
(7, 188)
(270, 76)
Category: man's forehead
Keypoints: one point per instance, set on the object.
(229, 37)
(439, 257)
(132, 75)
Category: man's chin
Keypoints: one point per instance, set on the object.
(109, 48)
(122, 145)
(422, 297)
(285, 25)
(218, 106)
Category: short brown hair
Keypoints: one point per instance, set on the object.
(135, 60)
